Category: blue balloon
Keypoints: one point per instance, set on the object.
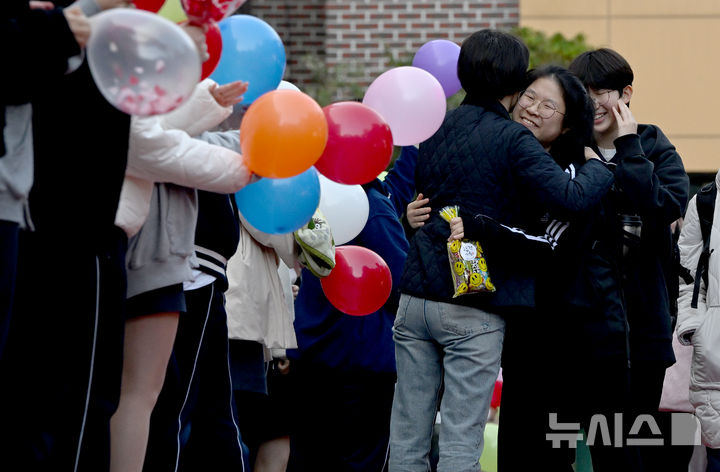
(279, 206)
(251, 51)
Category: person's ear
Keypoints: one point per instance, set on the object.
(627, 94)
(515, 98)
(565, 130)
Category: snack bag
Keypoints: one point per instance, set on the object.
(467, 264)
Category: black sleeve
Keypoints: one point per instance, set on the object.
(38, 43)
(553, 187)
(658, 187)
(490, 232)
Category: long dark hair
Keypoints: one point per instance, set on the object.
(579, 114)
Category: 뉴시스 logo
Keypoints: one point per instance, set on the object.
(684, 431)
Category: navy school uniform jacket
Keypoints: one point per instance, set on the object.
(650, 181)
(217, 233)
(487, 164)
(579, 294)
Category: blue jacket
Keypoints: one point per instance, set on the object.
(487, 164)
(330, 338)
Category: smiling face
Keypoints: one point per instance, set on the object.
(535, 110)
(604, 124)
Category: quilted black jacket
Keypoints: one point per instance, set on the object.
(484, 162)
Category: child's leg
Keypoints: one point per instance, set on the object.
(273, 455)
(148, 345)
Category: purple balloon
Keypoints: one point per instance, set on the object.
(440, 58)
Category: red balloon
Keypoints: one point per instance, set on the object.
(360, 282)
(149, 5)
(204, 11)
(359, 145)
(213, 40)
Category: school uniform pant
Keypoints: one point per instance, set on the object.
(63, 361)
(658, 452)
(8, 266)
(193, 424)
(339, 421)
(552, 389)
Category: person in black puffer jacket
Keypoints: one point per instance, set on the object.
(487, 164)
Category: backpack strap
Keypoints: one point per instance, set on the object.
(705, 201)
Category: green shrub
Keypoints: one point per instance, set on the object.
(554, 49)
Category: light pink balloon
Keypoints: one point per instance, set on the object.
(411, 100)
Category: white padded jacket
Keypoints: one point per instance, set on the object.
(701, 327)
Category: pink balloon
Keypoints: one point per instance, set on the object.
(412, 102)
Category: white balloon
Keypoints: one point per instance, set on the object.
(345, 207)
(142, 63)
(285, 85)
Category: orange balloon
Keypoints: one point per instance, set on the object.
(282, 134)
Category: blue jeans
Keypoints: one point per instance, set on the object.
(440, 343)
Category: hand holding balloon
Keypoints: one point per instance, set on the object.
(78, 23)
(229, 94)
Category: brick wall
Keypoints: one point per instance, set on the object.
(354, 41)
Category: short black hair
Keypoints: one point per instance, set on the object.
(579, 113)
(492, 64)
(602, 69)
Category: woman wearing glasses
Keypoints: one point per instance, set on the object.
(579, 332)
(569, 357)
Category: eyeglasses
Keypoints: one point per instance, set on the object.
(601, 97)
(546, 109)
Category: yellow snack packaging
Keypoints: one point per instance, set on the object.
(467, 263)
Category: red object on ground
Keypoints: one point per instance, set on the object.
(497, 393)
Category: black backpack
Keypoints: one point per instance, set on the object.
(705, 200)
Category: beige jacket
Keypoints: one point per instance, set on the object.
(255, 301)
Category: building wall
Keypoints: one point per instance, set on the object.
(301, 25)
(367, 37)
(375, 33)
(672, 48)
